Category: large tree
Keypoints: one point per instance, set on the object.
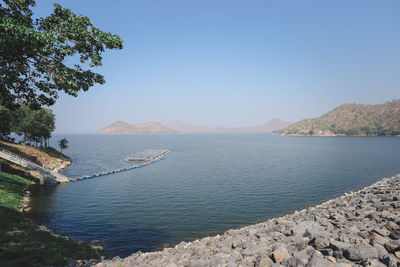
(36, 55)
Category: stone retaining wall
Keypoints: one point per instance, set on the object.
(358, 229)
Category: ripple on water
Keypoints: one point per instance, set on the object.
(208, 184)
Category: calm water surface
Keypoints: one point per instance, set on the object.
(208, 184)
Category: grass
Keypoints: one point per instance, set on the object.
(22, 244)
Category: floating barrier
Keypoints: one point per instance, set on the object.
(104, 173)
(147, 155)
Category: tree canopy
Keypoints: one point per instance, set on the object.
(35, 53)
(35, 125)
(63, 144)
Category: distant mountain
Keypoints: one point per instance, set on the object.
(183, 127)
(271, 126)
(118, 127)
(121, 127)
(153, 127)
(352, 119)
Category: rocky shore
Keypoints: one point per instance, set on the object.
(358, 229)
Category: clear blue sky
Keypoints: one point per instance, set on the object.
(235, 63)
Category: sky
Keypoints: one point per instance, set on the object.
(234, 63)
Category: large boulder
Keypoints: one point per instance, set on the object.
(309, 229)
(280, 254)
(361, 253)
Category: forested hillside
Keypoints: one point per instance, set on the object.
(352, 119)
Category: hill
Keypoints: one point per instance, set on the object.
(121, 127)
(352, 120)
(268, 127)
(118, 127)
(271, 126)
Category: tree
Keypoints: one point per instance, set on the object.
(42, 124)
(63, 144)
(36, 54)
(34, 125)
(5, 122)
(21, 121)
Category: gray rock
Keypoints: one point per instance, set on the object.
(337, 245)
(265, 261)
(374, 263)
(293, 261)
(382, 231)
(382, 252)
(318, 261)
(361, 253)
(308, 228)
(395, 234)
(390, 261)
(303, 256)
(326, 252)
(392, 245)
(320, 242)
(280, 254)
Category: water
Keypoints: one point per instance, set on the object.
(208, 184)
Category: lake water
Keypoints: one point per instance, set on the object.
(208, 184)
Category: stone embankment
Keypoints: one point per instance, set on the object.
(358, 229)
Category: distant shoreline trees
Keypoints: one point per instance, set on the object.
(352, 120)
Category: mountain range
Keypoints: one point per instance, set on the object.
(352, 120)
(121, 127)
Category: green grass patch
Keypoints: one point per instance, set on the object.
(21, 244)
(12, 190)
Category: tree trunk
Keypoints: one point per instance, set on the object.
(24, 138)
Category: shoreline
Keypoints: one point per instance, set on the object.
(361, 227)
(27, 198)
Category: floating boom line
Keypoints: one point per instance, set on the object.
(154, 158)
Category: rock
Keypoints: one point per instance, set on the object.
(397, 254)
(395, 234)
(379, 239)
(373, 216)
(318, 261)
(293, 261)
(303, 256)
(308, 228)
(392, 226)
(374, 263)
(320, 242)
(326, 252)
(280, 254)
(390, 261)
(331, 259)
(392, 245)
(382, 252)
(337, 245)
(249, 261)
(342, 264)
(361, 253)
(265, 261)
(382, 231)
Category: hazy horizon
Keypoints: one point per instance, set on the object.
(235, 63)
